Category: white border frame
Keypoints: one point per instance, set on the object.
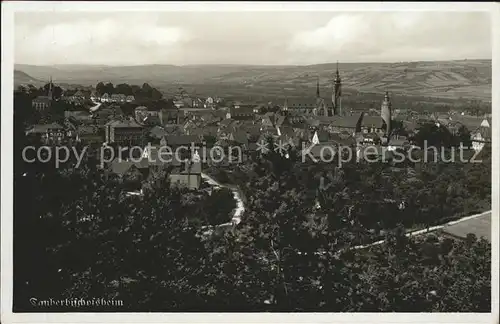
(8, 10)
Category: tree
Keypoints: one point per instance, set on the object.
(398, 128)
(56, 91)
(155, 94)
(100, 88)
(463, 137)
(109, 88)
(433, 135)
(124, 88)
(146, 90)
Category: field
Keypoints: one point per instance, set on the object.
(468, 79)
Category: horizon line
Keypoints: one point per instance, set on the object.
(250, 64)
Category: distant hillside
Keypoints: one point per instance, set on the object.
(21, 78)
(469, 79)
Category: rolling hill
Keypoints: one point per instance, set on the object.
(469, 79)
(21, 78)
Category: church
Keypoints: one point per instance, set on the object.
(42, 103)
(317, 106)
(331, 116)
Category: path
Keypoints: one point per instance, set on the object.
(240, 207)
(414, 233)
(94, 108)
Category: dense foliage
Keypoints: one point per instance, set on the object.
(83, 237)
(77, 234)
(146, 91)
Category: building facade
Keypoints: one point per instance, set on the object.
(123, 132)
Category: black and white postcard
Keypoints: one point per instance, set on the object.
(249, 162)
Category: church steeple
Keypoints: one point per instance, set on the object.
(337, 93)
(386, 114)
(337, 74)
(50, 88)
(317, 88)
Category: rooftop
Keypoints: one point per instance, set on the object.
(128, 123)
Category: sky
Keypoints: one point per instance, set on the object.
(260, 38)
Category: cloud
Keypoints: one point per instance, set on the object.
(396, 36)
(104, 41)
(129, 38)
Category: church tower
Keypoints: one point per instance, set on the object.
(337, 93)
(386, 114)
(50, 89)
(317, 88)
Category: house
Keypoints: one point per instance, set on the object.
(105, 98)
(130, 98)
(147, 117)
(455, 122)
(238, 137)
(398, 142)
(123, 132)
(480, 137)
(175, 141)
(102, 116)
(78, 95)
(94, 96)
(157, 132)
(197, 103)
(207, 133)
(178, 104)
(246, 113)
(236, 104)
(368, 138)
(169, 116)
(149, 166)
(78, 117)
(89, 135)
(187, 174)
(48, 133)
(115, 97)
(122, 98)
(151, 120)
(140, 113)
(190, 125)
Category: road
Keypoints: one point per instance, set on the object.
(94, 108)
(240, 207)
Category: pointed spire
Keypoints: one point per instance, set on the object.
(317, 87)
(359, 123)
(50, 88)
(337, 74)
